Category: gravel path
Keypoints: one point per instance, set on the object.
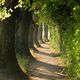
(46, 65)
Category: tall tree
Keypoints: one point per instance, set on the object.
(7, 54)
(40, 39)
(35, 36)
(45, 30)
(30, 37)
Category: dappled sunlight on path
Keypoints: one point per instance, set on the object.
(46, 66)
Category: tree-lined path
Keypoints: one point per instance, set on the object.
(26, 26)
(47, 65)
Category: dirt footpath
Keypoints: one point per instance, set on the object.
(46, 65)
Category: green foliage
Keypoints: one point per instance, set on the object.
(55, 38)
(23, 62)
(23, 4)
(72, 43)
(4, 13)
(8, 6)
(76, 12)
(65, 13)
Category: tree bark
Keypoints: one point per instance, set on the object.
(8, 61)
(8, 42)
(48, 33)
(30, 38)
(23, 32)
(45, 28)
(40, 39)
(35, 36)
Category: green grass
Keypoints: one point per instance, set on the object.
(23, 62)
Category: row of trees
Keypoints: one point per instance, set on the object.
(18, 34)
(62, 15)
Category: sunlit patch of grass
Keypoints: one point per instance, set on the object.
(55, 38)
(23, 62)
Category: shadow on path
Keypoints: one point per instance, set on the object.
(51, 54)
(46, 66)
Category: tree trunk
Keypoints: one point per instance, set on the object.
(22, 49)
(40, 34)
(23, 31)
(30, 38)
(35, 34)
(45, 30)
(9, 67)
(48, 34)
(8, 42)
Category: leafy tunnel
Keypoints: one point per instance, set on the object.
(36, 35)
